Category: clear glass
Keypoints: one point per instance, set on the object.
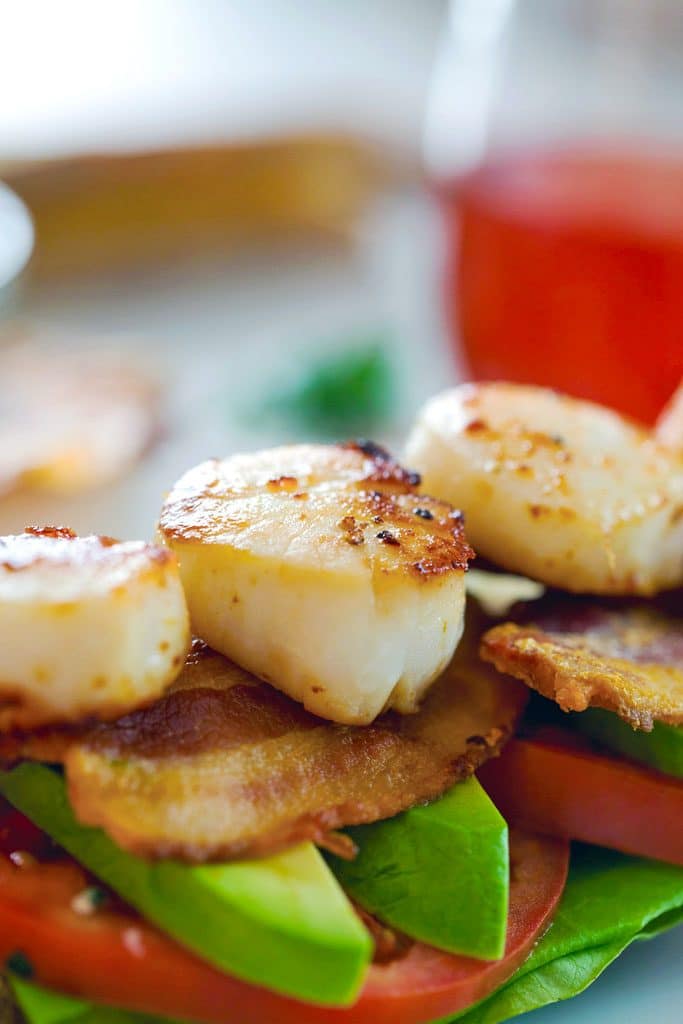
(554, 139)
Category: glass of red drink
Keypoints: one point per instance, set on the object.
(555, 143)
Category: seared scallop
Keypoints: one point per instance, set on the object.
(88, 627)
(563, 491)
(322, 571)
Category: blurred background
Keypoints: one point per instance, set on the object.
(231, 224)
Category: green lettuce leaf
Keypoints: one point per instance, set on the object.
(662, 748)
(610, 901)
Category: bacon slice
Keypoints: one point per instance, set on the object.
(225, 766)
(626, 658)
(49, 743)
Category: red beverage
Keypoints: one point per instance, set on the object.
(566, 269)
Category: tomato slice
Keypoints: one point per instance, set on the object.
(114, 957)
(557, 784)
(427, 984)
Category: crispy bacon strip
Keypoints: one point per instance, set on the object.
(225, 766)
(46, 744)
(626, 658)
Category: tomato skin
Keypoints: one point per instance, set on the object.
(556, 784)
(427, 984)
(90, 957)
(18, 833)
(114, 957)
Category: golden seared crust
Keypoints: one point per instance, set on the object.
(626, 659)
(380, 465)
(224, 766)
(51, 546)
(427, 535)
(356, 503)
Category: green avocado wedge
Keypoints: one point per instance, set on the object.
(40, 1006)
(282, 922)
(439, 873)
(609, 902)
(661, 749)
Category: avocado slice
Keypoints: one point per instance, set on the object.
(439, 873)
(661, 749)
(42, 1006)
(282, 922)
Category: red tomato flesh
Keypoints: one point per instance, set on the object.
(564, 267)
(556, 784)
(112, 956)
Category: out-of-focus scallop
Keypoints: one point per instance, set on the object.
(72, 419)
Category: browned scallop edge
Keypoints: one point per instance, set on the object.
(385, 468)
(159, 557)
(427, 535)
(430, 534)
